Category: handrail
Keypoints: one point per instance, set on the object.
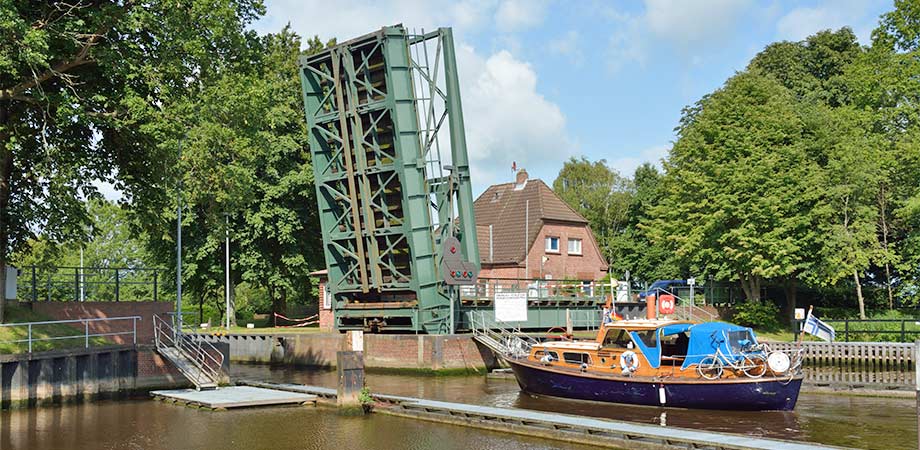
(202, 354)
(688, 308)
(85, 335)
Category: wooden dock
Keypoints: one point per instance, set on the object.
(234, 397)
(563, 427)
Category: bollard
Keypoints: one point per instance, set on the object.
(350, 368)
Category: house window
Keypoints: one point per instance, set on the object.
(574, 246)
(552, 244)
(327, 298)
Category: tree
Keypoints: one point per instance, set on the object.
(246, 170)
(599, 194)
(79, 84)
(736, 196)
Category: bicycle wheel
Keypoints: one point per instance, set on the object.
(710, 368)
(754, 366)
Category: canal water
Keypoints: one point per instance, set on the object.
(145, 424)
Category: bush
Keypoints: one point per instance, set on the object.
(763, 315)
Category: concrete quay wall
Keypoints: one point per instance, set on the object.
(62, 376)
(382, 352)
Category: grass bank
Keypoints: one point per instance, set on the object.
(61, 336)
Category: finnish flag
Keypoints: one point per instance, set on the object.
(816, 327)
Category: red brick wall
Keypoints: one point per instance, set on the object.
(98, 310)
(590, 265)
(326, 317)
(151, 364)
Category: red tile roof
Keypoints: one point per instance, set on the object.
(505, 206)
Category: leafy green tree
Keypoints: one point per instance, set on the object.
(80, 82)
(737, 192)
(246, 172)
(599, 194)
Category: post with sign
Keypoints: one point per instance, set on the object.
(691, 282)
(799, 319)
(455, 271)
(350, 368)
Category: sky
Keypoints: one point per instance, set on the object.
(543, 81)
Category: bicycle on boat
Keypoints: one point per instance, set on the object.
(750, 360)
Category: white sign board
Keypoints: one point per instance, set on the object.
(691, 281)
(510, 306)
(10, 289)
(357, 340)
(800, 314)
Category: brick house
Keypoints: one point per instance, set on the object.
(526, 231)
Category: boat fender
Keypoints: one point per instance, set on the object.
(546, 359)
(629, 362)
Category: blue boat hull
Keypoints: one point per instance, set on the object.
(736, 395)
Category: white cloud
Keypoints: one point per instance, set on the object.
(627, 165)
(516, 15)
(690, 23)
(507, 119)
(689, 27)
(800, 23)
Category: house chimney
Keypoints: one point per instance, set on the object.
(521, 177)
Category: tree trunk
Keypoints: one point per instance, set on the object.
(6, 169)
(859, 296)
(755, 287)
(745, 287)
(789, 288)
(200, 309)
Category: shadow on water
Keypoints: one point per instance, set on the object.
(863, 422)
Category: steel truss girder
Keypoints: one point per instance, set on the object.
(374, 141)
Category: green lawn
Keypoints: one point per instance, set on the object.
(16, 314)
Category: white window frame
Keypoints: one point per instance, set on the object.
(569, 246)
(327, 298)
(548, 246)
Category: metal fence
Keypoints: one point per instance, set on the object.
(904, 330)
(99, 284)
(30, 338)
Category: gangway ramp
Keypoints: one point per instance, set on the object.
(196, 359)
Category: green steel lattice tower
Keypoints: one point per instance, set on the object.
(381, 110)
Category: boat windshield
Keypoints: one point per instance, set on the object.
(616, 338)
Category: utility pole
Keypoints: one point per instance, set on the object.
(179, 244)
(227, 269)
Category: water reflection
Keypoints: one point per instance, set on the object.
(876, 423)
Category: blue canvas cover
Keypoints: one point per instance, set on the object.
(705, 338)
(652, 354)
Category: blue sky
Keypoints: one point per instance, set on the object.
(546, 80)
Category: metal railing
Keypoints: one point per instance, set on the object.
(200, 353)
(504, 341)
(905, 329)
(86, 335)
(83, 283)
(685, 308)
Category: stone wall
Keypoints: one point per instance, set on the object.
(424, 353)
